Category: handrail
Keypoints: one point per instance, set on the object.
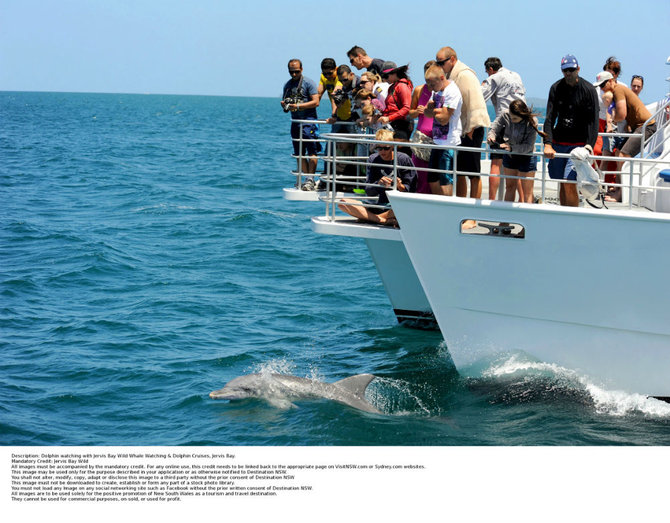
(335, 180)
(637, 168)
(660, 114)
(301, 140)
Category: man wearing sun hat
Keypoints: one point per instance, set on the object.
(571, 121)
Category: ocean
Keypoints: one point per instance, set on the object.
(147, 257)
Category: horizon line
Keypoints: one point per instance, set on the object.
(170, 94)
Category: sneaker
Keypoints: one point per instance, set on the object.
(308, 185)
(321, 186)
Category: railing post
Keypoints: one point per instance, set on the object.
(395, 167)
(333, 151)
(543, 161)
(454, 173)
(300, 150)
(630, 185)
(331, 178)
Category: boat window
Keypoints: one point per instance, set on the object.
(492, 228)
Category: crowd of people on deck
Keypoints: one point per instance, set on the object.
(450, 110)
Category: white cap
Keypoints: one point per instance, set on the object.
(602, 77)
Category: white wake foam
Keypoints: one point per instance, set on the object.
(611, 402)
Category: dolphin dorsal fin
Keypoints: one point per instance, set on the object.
(356, 384)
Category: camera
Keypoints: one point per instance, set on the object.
(339, 97)
(290, 100)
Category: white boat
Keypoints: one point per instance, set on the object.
(581, 287)
(396, 272)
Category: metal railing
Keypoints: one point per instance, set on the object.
(632, 187)
(326, 155)
(654, 156)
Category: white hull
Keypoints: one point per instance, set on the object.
(395, 269)
(585, 289)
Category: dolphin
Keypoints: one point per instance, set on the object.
(350, 391)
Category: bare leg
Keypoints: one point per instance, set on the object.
(519, 190)
(476, 187)
(494, 179)
(309, 165)
(435, 187)
(614, 193)
(462, 186)
(510, 184)
(353, 208)
(442, 190)
(527, 186)
(448, 190)
(568, 195)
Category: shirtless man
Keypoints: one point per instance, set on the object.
(627, 107)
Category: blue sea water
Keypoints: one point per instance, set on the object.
(147, 257)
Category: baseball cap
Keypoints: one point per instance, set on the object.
(602, 77)
(569, 61)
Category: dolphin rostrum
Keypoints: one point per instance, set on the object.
(350, 391)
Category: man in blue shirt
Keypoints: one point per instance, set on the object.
(300, 98)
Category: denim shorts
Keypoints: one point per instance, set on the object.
(442, 159)
(523, 164)
(562, 168)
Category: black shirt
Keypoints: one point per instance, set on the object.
(572, 114)
(377, 168)
(376, 66)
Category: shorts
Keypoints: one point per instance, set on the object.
(310, 131)
(496, 156)
(562, 168)
(617, 142)
(442, 159)
(523, 164)
(470, 162)
(633, 145)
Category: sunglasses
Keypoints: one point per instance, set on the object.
(442, 62)
(292, 72)
(569, 69)
(638, 77)
(384, 148)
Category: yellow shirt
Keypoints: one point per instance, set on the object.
(330, 85)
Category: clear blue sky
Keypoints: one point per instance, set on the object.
(241, 47)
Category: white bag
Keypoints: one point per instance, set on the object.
(588, 181)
